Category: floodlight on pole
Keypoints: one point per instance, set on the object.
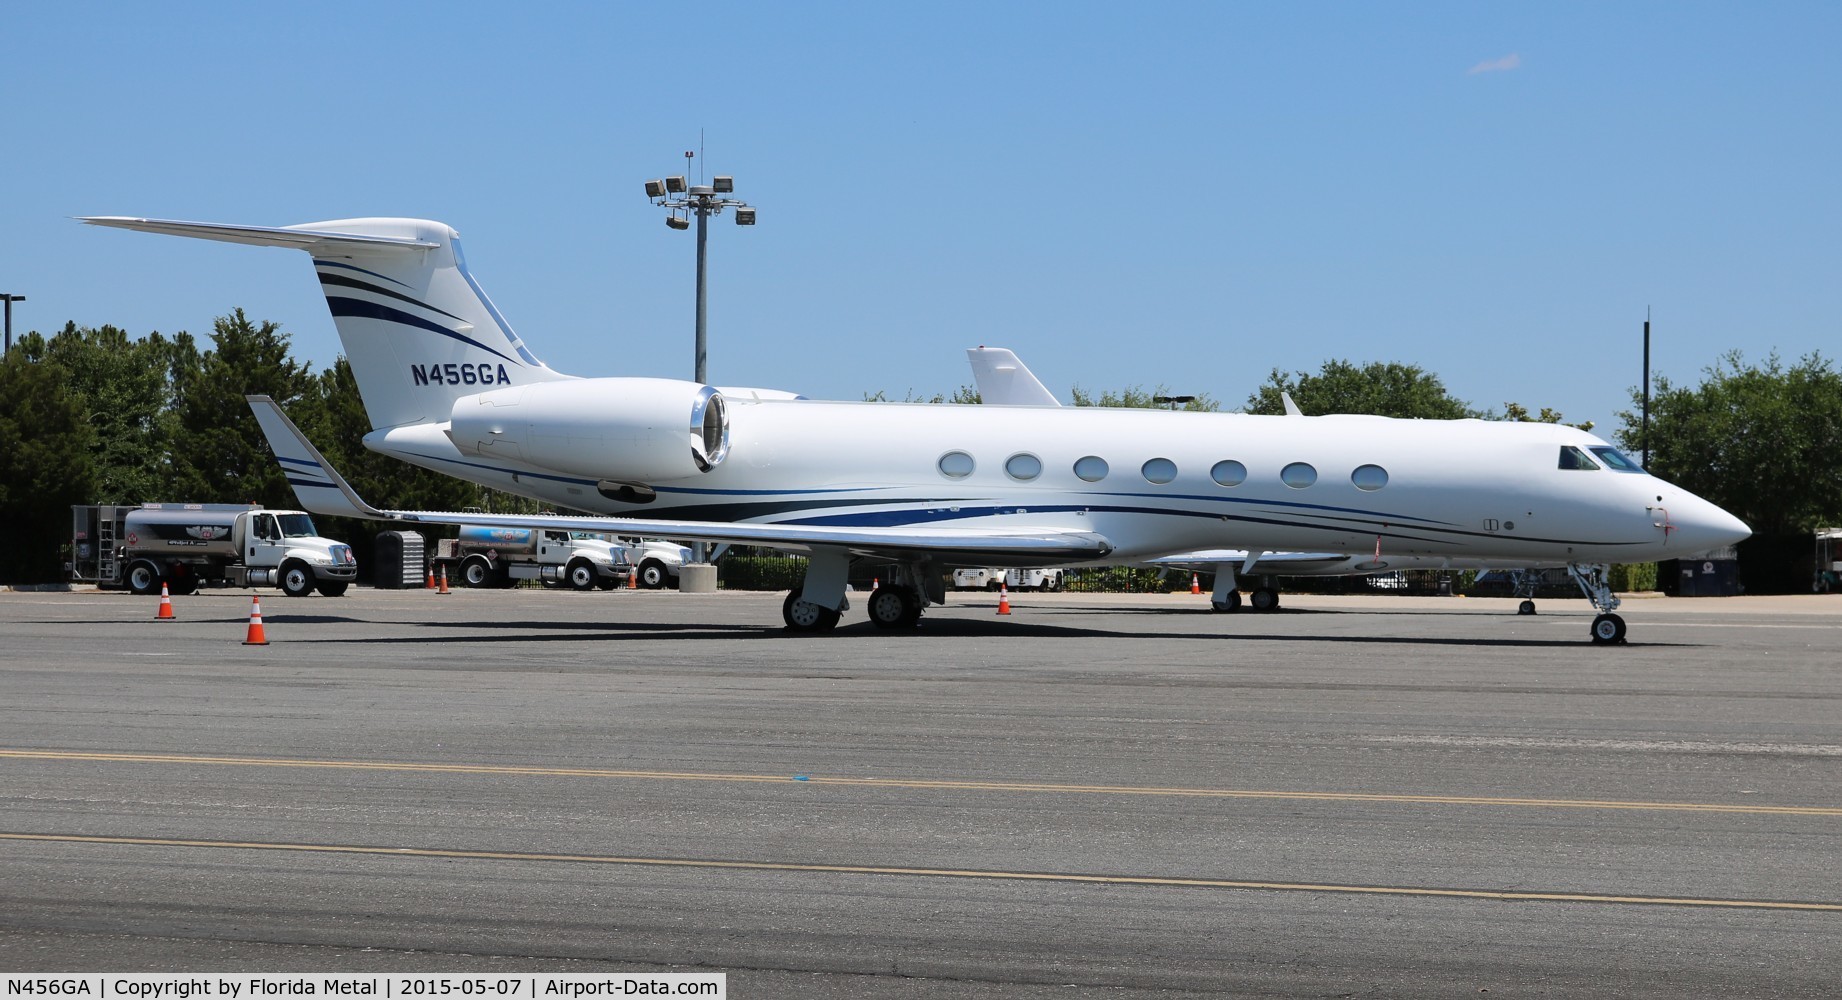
(680, 199)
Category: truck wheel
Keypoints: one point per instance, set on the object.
(333, 588)
(477, 572)
(581, 575)
(296, 579)
(143, 578)
(652, 574)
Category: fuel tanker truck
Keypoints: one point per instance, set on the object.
(191, 544)
(499, 557)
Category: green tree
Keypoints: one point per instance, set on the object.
(125, 388)
(1135, 397)
(46, 465)
(1387, 389)
(963, 394)
(1765, 442)
(221, 455)
(1518, 413)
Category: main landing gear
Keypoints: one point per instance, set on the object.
(819, 602)
(1227, 595)
(1595, 581)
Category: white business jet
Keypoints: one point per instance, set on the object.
(1002, 379)
(449, 386)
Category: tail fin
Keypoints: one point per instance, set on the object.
(417, 328)
(1003, 380)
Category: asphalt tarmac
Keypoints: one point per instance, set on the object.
(1095, 796)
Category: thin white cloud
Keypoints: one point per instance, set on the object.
(1503, 65)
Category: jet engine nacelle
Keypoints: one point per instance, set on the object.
(637, 430)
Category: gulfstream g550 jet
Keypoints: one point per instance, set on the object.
(449, 386)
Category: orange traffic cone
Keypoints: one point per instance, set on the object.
(1004, 599)
(633, 578)
(444, 581)
(165, 614)
(876, 583)
(256, 636)
(431, 583)
(1195, 584)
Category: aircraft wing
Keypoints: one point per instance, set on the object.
(322, 490)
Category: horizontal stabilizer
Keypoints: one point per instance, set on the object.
(300, 238)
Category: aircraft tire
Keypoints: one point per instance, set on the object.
(1265, 599)
(1608, 630)
(894, 607)
(1526, 608)
(803, 617)
(1231, 603)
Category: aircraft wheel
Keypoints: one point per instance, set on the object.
(581, 575)
(894, 607)
(1608, 629)
(1526, 608)
(802, 616)
(1230, 603)
(1265, 599)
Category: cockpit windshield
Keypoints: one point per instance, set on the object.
(1574, 458)
(1616, 460)
(296, 525)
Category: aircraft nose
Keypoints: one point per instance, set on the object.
(1701, 525)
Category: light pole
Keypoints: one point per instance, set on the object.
(681, 200)
(10, 299)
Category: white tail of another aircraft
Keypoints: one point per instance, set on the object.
(417, 328)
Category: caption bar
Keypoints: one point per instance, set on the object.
(273, 986)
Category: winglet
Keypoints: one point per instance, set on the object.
(320, 489)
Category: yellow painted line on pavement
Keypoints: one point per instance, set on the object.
(967, 873)
(922, 783)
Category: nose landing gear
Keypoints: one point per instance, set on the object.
(1595, 582)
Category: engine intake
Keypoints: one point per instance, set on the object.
(635, 430)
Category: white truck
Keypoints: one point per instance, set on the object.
(978, 578)
(187, 545)
(659, 561)
(499, 557)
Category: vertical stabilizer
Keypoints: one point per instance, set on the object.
(417, 328)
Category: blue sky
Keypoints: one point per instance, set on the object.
(1186, 194)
